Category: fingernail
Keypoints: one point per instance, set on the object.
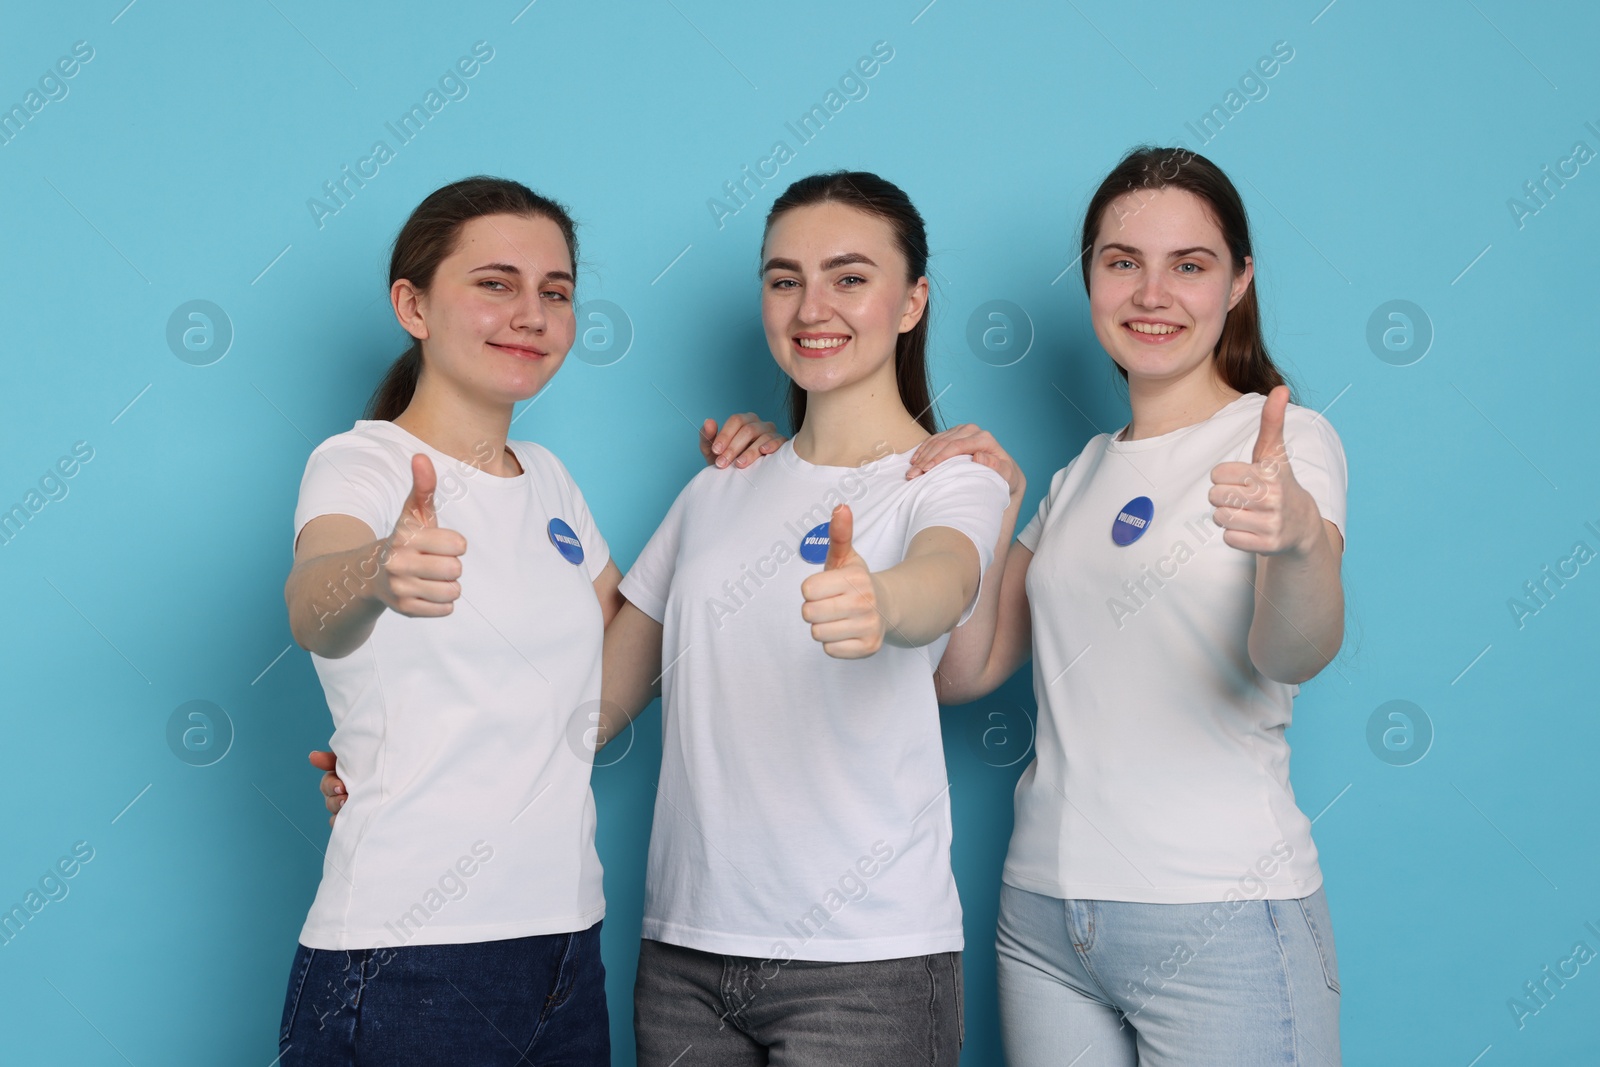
(718, 447)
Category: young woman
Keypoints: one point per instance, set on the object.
(458, 917)
(1162, 902)
(799, 901)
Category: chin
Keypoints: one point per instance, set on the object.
(1156, 363)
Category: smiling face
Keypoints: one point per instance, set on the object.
(1161, 284)
(835, 297)
(496, 322)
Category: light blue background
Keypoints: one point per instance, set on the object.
(1378, 167)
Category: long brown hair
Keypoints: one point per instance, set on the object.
(869, 193)
(1241, 353)
(428, 238)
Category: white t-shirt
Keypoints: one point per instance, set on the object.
(469, 815)
(1162, 773)
(802, 811)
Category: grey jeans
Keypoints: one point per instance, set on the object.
(699, 1008)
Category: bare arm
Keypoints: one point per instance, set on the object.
(1299, 619)
(630, 669)
(998, 639)
(332, 608)
(606, 591)
(345, 577)
(923, 596)
(853, 611)
(988, 648)
(1298, 624)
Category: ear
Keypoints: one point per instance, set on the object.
(1241, 282)
(916, 305)
(407, 301)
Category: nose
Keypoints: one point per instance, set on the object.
(1152, 291)
(814, 306)
(529, 313)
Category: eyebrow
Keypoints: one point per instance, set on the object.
(511, 268)
(831, 263)
(1175, 254)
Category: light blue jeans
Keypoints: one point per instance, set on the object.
(1105, 983)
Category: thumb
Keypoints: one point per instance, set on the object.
(1269, 442)
(419, 505)
(323, 761)
(840, 527)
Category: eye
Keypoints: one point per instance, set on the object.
(557, 295)
(784, 283)
(487, 282)
(1119, 264)
(1189, 268)
(852, 280)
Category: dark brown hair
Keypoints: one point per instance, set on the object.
(429, 236)
(1241, 352)
(875, 196)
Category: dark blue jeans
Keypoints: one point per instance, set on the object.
(528, 1000)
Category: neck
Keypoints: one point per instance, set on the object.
(847, 426)
(1162, 405)
(463, 427)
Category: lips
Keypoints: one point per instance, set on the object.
(519, 351)
(1151, 332)
(819, 346)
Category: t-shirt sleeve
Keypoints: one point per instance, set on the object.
(1029, 537)
(596, 553)
(966, 496)
(348, 476)
(649, 580)
(1316, 457)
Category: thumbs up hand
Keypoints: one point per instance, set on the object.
(1259, 505)
(842, 600)
(420, 564)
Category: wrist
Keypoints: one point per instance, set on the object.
(883, 604)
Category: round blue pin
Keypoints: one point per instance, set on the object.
(566, 541)
(1133, 520)
(814, 545)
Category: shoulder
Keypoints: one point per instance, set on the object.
(1307, 424)
(539, 461)
(1303, 428)
(704, 493)
(962, 474)
(367, 446)
(1095, 446)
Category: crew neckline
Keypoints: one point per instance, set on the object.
(463, 467)
(1145, 443)
(793, 460)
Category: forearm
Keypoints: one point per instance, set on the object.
(630, 668)
(963, 674)
(923, 597)
(1299, 613)
(332, 601)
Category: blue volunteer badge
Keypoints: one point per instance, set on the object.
(1132, 521)
(566, 541)
(814, 545)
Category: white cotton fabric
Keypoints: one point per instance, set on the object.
(1162, 773)
(803, 808)
(459, 738)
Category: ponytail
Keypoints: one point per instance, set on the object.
(394, 393)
